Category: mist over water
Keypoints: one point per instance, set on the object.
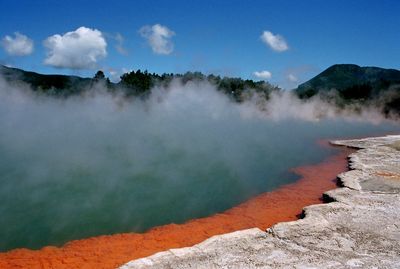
(101, 164)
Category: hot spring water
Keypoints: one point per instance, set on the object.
(81, 167)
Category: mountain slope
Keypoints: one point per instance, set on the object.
(58, 84)
(351, 81)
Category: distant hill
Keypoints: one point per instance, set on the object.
(54, 84)
(349, 84)
(134, 83)
(341, 84)
(351, 81)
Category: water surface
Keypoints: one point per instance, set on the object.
(75, 169)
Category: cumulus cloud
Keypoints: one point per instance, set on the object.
(262, 74)
(159, 38)
(20, 45)
(79, 49)
(275, 42)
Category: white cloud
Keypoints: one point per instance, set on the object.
(79, 49)
(292, 78)
(20, 45)
(120, 44)
(159, 38)
(115, 73)
(263, 74)
(275, 42)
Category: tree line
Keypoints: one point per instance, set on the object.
(140, 83)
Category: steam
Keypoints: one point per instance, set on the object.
(189, 98)
(100, 163)
(284, 105)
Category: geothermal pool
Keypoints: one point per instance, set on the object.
(82, 167)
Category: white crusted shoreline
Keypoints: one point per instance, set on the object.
(359, 229)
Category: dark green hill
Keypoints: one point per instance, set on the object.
(351, 81)
(54, 84)
(349, 84)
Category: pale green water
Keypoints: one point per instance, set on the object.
(45, 201)
(85, 168)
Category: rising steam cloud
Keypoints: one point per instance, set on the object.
(100, 163)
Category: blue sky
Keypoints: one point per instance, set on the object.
(221, 37)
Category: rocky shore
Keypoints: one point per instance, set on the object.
(359, 228)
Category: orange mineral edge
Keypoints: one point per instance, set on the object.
(262, 211)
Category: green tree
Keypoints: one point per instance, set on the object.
(99, 75)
